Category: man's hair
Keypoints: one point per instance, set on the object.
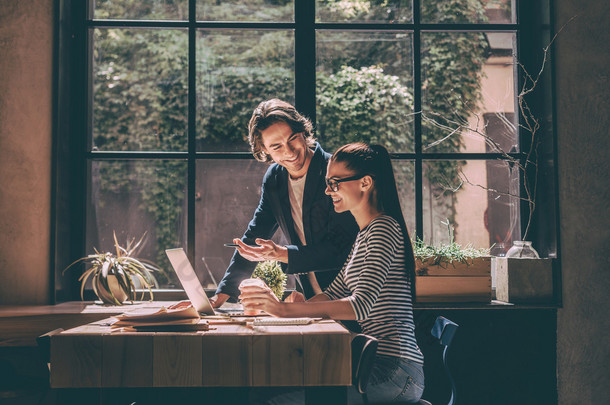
(271, 112)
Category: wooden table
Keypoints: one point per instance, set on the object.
(311, 356)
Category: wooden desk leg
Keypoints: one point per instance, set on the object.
(326, 395)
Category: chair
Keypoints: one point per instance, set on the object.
(364, 348)
(443, 331)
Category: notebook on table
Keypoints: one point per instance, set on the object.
(284, 321)
(193, 288)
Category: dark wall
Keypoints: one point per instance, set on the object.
(26, 56)
(498, 356)
(582, 65)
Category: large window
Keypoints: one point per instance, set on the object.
(161, 93)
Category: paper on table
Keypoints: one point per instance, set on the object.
(180, 310)
(181, 313)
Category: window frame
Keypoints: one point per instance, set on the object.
(72, 151)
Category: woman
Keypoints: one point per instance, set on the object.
(374, 286)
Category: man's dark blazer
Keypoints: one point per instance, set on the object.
(329, 235)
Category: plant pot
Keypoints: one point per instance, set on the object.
(114, 287)
(468, 281)
(524, 281)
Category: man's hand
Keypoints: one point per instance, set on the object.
(218, 299)
(265, 250)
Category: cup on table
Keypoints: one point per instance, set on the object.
(252, 282)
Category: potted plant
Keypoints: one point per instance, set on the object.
(115, 276)
(451, 272)
(272, 274)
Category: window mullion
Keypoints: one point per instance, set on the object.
(417, 107)
(305, 58)
(192, 135)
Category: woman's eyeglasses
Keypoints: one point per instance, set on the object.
(333, 184)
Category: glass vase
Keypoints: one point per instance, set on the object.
(522, 249)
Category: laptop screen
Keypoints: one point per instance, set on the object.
(188, 278)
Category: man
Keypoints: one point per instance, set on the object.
(293, 199)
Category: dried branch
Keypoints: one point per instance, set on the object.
(527, 123)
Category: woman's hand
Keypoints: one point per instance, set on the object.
(295, 296)
(255, 298)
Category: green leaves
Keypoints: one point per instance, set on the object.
(140, 88)
(447, 253)
(363, 105)
(272, 274)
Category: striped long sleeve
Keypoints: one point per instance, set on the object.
(375, 282)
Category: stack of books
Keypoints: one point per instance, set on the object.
(181, 316)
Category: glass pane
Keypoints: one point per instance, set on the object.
(468, 11)
(140, 9)
(465, 78)
(251, 10)
(135, 198)
(364, 89)
(404, 173)
(227, 193)
(236, 70)
(388, 11)
(479, 197)
(140, 95)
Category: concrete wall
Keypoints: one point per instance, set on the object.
(582, 62)
(582, 65)
(26, 52)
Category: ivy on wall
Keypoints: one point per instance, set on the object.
(140, 92)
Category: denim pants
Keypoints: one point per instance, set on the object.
(395, 379)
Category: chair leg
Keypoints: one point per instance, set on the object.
(448, 372)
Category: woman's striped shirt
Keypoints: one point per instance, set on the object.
(375, 281)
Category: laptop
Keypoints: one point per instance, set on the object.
(193, 288)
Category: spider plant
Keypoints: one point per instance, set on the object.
(121, 266)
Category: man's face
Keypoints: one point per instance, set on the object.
(287, 149)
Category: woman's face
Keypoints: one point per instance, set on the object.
(351, 194)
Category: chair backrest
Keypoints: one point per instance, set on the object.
(444, 330)
(364, 349)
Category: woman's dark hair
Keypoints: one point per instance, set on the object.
(271, 112)
(375, 161)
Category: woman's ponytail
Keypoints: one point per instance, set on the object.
(376, 161)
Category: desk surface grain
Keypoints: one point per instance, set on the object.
(91, 356)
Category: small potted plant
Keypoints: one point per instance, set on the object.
(115, 276)
(272, 274)
(451, 272)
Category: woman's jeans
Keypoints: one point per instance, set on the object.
(395, 379)
(392, 379)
